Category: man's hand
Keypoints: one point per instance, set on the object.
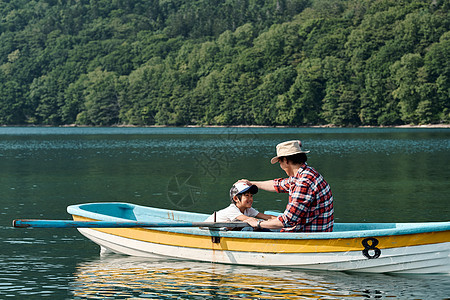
(246, 181)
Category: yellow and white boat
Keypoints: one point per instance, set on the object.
(359, 247)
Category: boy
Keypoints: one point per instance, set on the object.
(240, 209)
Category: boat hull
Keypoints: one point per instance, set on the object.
(416, 259)
(373, 251)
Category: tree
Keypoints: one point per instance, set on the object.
(340, 103)
(437, 70)
(100, 99)
(274, 84)
(12, 105)
(289, 62)
(44, 92)
(206, 98)
(139, 96)
(306, 93)
(407, 92)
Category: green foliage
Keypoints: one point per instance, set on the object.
(217, 62)
(100, 99)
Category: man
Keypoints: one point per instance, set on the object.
(310, 207)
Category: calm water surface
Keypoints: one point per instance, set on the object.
(377, 175)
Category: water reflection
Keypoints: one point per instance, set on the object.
(119, 277)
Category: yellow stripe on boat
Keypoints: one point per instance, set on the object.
(272, 245)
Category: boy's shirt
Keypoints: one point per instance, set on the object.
(230, 213)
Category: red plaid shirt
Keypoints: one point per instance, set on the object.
(310, 207)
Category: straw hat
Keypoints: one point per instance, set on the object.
(288, 148)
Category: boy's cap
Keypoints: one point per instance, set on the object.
(288, 148)
(242, 187)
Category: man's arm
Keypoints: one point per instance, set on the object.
(264, 185)
(258, 216)
(264, 216)
(269, 224)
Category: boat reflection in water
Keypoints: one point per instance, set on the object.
(118, 277)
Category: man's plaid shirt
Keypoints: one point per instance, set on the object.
(310, 207)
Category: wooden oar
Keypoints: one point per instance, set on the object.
(29, 223)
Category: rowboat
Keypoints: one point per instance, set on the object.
(358, 247)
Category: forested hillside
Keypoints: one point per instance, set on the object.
(224, 62)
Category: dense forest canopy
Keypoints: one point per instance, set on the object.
(224, 62)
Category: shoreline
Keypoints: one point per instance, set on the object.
(233, 126)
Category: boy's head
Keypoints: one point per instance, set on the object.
(241, 187)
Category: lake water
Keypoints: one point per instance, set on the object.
(376, 175)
